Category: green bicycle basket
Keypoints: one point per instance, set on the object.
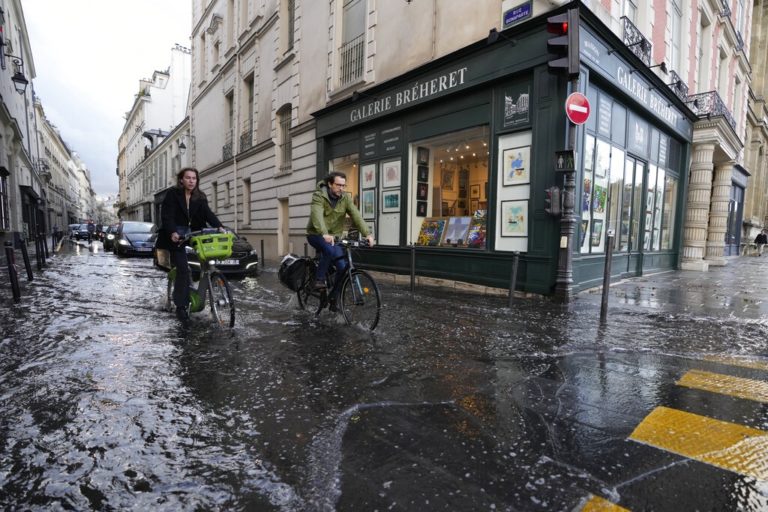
(214, 246)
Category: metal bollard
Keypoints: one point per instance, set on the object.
(27, 264)
(45, 245)
(13, 274)
(42, 250)
(306, 254)
(413, 268)
(606, 276)
(262, 253)
(513, 277)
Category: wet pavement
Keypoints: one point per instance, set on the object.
(455, 402)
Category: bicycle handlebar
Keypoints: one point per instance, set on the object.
(353, 243)
(204, 231)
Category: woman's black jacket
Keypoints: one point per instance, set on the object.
(174, 214)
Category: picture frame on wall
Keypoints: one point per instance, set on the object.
(474, 191)
(422, 191)
(372, 227)
(368, 176)
(516, 166)
(390, 174)
(422, 174)
(390, 201)
(421, 208)
(514, 218)
(422, 156)
(368, 204)
(447, 180)
(474, 205)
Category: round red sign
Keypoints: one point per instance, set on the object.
(577, 108)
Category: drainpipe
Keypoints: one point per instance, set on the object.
(236, 130)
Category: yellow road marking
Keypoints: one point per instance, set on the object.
(598, 504)
(739, 361)
(726, 385)
(726, 445)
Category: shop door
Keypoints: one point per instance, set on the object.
(633, 215)
(735, 214)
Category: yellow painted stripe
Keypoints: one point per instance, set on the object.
(739, 361)
(598, 504)
(726, 445)
(749, 389)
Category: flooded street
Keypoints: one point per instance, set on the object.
(455, 402)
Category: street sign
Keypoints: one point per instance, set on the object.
(577, 108)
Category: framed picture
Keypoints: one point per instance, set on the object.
(372, 227)
(597, 232)
(390, 175)
(431, 231)
(368, 178)
(421, 208)
(390, 201)
(368, 206)
(583, 235)
(474, 191)
(514, 218)
(517, 165)
(422, 156)
(423, 174)
(447, 180)
(457, 230)
(474, 205)
(422, 190)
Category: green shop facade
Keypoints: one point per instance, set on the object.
(454, 159)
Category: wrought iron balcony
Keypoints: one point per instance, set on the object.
(41, 167)
(636, 41)
(725, 9)
(246, 136)
(351, 57)
(709, 104)
(739, 41)
(678, 86)
(226, 149)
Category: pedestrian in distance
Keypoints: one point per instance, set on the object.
(91, 230)
(329, 207)
(760, 240)
(184, 209)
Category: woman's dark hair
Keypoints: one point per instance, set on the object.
(196, 192)
(333, 175)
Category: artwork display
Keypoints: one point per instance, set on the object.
(514, 218)
(586, 194)
(457, 230)
(447, 180)
(431, 231)
(368, 205)
(600, 199)
(583, 234)
(476, 232)
(421, 208)
(390, 176)
(422, 156)
(390, 201)
(516, 162)
(369, 176)
(474, 205)
(423, 174)
(422, 190)
(474, 191)
(597, 232)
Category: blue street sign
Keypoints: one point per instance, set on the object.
(517, 13)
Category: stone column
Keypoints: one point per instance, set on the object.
(697, 212)
(718, 214)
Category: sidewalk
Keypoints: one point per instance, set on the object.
(738, 289)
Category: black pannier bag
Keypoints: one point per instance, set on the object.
(293, 270)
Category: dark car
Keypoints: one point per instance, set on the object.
(244, 261)
(81, 232)
(109, 237)
(132, 238)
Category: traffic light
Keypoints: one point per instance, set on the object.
(565, 44)
(552, 201)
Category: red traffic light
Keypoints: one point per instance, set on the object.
(558, 24)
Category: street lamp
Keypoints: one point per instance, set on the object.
(20, 82)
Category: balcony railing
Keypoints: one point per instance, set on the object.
(678, 86)
(709, 104)
(351, 59)
(739, 41)
(246, 136)
(725, 9)
(41, 167)
(636, 41)
(226, 149)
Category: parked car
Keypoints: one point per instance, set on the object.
(244, 261)
(109, 237)
(81, 233)
(132, 238)
(72, 229)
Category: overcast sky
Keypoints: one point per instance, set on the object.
(89, 56)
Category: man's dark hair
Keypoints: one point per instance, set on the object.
(333, 175)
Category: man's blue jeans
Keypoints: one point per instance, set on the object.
(329, 254)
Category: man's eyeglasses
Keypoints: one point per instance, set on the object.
(342, 185)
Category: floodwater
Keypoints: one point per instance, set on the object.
(455, 402)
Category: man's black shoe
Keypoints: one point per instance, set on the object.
(332, 306)
(320, 285)
(183, 315)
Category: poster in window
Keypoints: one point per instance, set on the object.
(431, 231)
(600, 200)
(457, 230)
(369, 176)
(597, 232)
(516, 166)
(516, 102)
(368, 207)
(390, 176)
(421, 208)
(463, 182)
(448, 179)
(422, 156)
(514, 218)
(474, 205)
(476, 233)
(390, 201)
(586, 194)
(583, 235)
(422, 189)
(474, 191)
(423, 174)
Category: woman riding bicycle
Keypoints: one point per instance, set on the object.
(330, 206)
(184, 209)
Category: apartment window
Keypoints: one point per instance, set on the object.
(246, 201)
(722, 72)
(203, 70)
(228, 135)
(246, 134)
(230, 23)
(244, 20)
(737, 101)
(675, 34)
(284, 137)
(629, 9)
(215, 195)
(351, 53)
(288, 23)
(216, 53)
(228, 194)
(740, 17)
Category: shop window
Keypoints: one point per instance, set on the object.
(668, 214)
(284, 142)
(448, 183)
(348, 165)
(594, 196)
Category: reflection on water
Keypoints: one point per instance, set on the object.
(455, 401)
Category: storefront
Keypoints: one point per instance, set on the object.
(455, 157)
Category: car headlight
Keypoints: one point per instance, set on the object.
(110, 237)
(253, 252)
(189, 250)
(123, 241)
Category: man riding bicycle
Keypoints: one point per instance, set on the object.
(330, 206)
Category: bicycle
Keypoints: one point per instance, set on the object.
(359, 300)
(209, 244)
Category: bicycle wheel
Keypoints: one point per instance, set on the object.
(222, 303)
(360, 300)
(309, 298)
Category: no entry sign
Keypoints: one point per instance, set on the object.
(577, 108)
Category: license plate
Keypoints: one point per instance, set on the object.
(144, 249)
(227, 262)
